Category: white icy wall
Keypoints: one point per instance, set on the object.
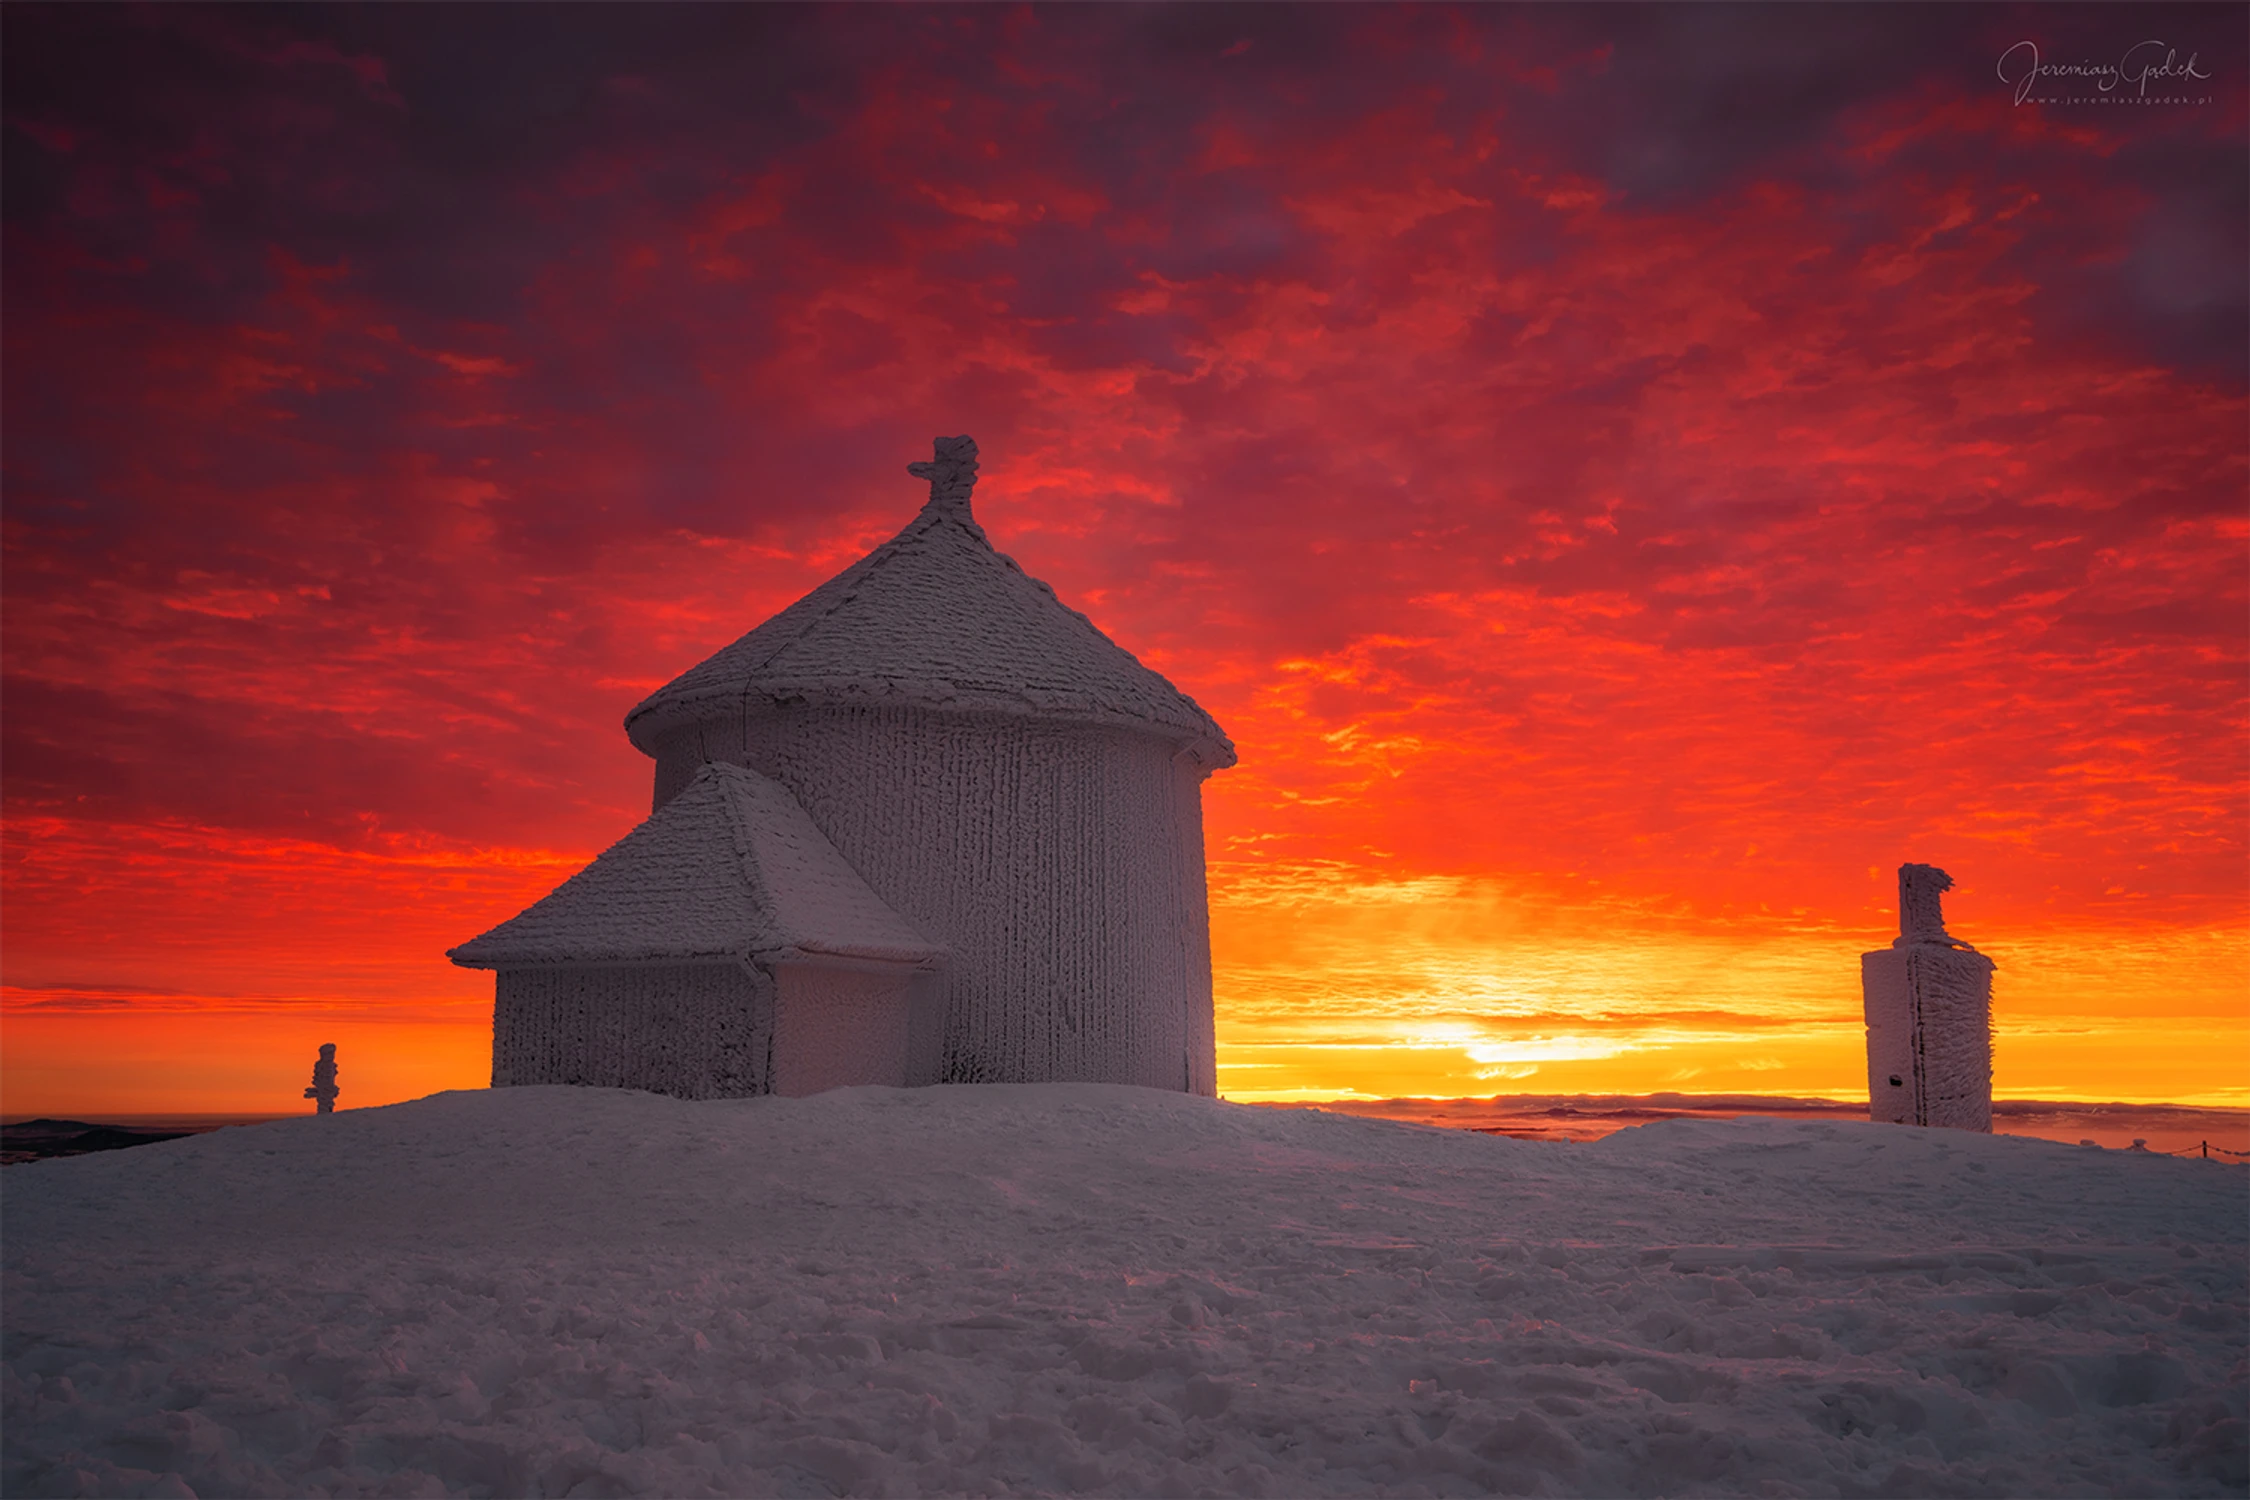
(1929, 1023)
(1888, 1000)
(1953, 990)
(1195, 921)
(697, 1031)
(1062, 865)
(925, 1027)
(836, 1027)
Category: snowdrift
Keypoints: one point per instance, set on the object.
(1108, 1290)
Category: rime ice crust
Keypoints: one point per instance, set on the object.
(1928, 1004)
(730, 869)
(934, 618)
(695, 1031)
(722, 948)
(323, 1087)
(1921, 905)
(1062, 866)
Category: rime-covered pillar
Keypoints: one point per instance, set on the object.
(1928, 1001)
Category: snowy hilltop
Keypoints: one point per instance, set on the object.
(1076, 1288)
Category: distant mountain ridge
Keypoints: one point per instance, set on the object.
(1587, 1117)
(37, 1140)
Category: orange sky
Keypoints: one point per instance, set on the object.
(1625, 485)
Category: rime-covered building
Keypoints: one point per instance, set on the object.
(1928, 1000)
(1008, 815)
(723, 947)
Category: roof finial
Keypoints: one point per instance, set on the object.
(952, 474)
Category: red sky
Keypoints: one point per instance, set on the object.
(1626, 479)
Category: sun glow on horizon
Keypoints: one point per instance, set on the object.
(1482, 991)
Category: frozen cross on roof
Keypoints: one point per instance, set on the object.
(952, 474)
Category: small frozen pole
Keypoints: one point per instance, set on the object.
(324, 1079)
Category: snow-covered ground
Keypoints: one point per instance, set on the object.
(1090, 1289)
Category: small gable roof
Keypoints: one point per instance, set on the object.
(730, 868)
(936, 617)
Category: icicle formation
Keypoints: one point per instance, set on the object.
(324, 1080)
(952, 474)
(1928, 1001)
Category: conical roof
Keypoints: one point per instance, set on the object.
(730, 868)
(936, 617)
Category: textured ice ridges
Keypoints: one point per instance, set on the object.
(935, 617)
(731, 868)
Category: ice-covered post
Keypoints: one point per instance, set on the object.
(1928, 999)
(324, 1080)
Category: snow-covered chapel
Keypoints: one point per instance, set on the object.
(926, 825)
